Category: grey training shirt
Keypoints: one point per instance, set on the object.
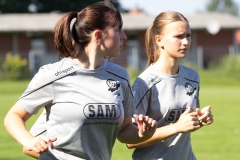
(164, 98)
(85, 108)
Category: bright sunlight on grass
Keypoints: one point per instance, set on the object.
(217, 141)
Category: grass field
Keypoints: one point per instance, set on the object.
(218, 141)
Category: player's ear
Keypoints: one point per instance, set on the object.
(97, 36)
(158, 40)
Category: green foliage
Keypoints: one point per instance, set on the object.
(40, 6)
(224, 6)
(13, 67)
(228, 66)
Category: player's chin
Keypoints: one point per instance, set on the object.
(183, 54)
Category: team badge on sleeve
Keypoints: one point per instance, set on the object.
(189, 88)
(113, 85)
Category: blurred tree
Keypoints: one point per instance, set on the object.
(225, 6)
(45, 6)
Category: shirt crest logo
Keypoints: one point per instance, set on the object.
(189, 88)
(113, 85)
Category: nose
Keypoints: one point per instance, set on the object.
(123, 36)
(186, 41)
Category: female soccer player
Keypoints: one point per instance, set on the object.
(88, 100)
(168, 92)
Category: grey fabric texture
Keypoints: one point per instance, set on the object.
(85, 108)
(164, 98)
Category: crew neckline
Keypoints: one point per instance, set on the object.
(164, 74)
(85, 69)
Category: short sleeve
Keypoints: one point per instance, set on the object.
(141, 96)
(128, 101)
(39, 92)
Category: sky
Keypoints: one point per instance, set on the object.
(154, 7)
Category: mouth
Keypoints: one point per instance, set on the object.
(184, 49)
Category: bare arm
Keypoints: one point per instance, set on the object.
(39, 122)
(15, 125)
(131, 133)
(188, 121)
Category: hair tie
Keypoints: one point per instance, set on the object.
(72, 24)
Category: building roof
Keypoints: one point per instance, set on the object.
(140, 21)
(45, 22)
(225, 21)
(28, 22)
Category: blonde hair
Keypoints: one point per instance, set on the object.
(157, 28)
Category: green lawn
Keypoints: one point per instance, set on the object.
(221, 139)
(218, 141)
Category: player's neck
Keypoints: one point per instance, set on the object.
(89, 60)
(166, 67)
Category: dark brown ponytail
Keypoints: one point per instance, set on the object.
(71, 41)
(63, 37)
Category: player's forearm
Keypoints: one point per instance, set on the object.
(15, 126)
(130, 135)
(161, 133)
